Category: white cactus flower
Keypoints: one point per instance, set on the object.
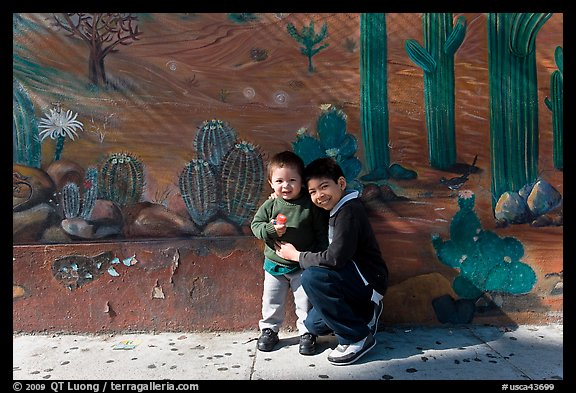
(58, 123)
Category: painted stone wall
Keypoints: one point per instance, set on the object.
(139, 160)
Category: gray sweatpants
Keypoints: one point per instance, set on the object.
(274, 301)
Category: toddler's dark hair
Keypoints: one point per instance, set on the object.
(323, 168)
(286, 159)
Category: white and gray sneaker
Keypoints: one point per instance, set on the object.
(348, 354)
(373, 324)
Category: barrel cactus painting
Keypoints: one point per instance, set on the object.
(213, 140)
(200, 191)
(242, 178)
(121, 179)
(225, 180)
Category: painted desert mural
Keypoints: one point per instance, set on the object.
(140, 144)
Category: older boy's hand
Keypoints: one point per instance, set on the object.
(287, 251)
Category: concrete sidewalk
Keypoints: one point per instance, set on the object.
(524, 353)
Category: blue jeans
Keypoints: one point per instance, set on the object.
(341, 303)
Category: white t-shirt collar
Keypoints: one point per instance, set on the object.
(350, 194)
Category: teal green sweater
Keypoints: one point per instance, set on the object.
(306, 227)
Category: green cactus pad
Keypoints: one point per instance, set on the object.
(485, 261)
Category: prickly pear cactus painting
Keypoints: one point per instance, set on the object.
(486, 261)
(333, 141)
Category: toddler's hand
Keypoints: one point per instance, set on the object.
(280, 228)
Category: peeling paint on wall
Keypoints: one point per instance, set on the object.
(157, 292)
(18, 291)
(73, 271)
(108, 310)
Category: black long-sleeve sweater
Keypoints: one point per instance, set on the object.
(351, 239)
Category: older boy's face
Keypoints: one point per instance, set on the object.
(326, 193)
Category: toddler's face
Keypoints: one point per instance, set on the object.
(286, 183)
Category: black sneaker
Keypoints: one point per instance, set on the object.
(373, 325)
(267, 340)
(307, 344)
(348, 354)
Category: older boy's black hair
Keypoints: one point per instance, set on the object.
(286, 159)
(323, 168)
